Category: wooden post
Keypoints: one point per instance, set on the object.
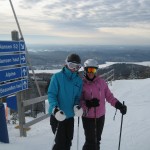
(21, 114)
(15, 37)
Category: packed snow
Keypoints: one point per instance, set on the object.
(135, 131)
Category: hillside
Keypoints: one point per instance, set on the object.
(53, 57)
(135, 134)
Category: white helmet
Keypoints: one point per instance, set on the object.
(91, 63)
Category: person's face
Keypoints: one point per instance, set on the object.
(91, 71)
(91, 75)
(73, 70)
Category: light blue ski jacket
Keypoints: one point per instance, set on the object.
(64, 91)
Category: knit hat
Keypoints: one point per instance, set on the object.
(73, 58)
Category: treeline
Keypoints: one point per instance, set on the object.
(128, 71)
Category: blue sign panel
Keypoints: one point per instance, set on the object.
(12, 46)
(12, 74)
(13, 87)
(9, 60)
(12, 102)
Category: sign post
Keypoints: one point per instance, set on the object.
(14, 79)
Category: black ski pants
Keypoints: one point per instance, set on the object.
(64, 135)
(89, 131)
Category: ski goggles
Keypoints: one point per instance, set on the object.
(72, 65)
(91, 70)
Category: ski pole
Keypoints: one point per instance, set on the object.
(78, 134)
(55, 136)
(95, 129)
(120, 130)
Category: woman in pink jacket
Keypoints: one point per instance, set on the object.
(94, 96)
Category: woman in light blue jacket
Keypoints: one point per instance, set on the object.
(63, 95)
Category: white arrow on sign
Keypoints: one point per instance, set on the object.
(22, 46)
(24, 71)
(25, 84)
(23, 58)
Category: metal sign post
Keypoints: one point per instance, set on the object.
(22, 38)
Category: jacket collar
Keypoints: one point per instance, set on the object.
(70, 75)
(90, 82)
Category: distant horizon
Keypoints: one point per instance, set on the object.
(6, 37)
(109, 47)
(33, 41)
(88, 44)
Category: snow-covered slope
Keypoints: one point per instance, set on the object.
(136, 124)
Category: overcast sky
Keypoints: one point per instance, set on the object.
(104, 22)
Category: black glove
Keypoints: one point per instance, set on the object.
(92, 103)
(121, 107)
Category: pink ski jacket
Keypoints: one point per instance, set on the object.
(99, 89)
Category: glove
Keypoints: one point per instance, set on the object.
(78, 110)
(59, 114)
(92, 103)
(121, 107)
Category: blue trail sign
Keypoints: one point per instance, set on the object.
(12, 46)
(12, 74)
(14, 59)
(13, 87)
